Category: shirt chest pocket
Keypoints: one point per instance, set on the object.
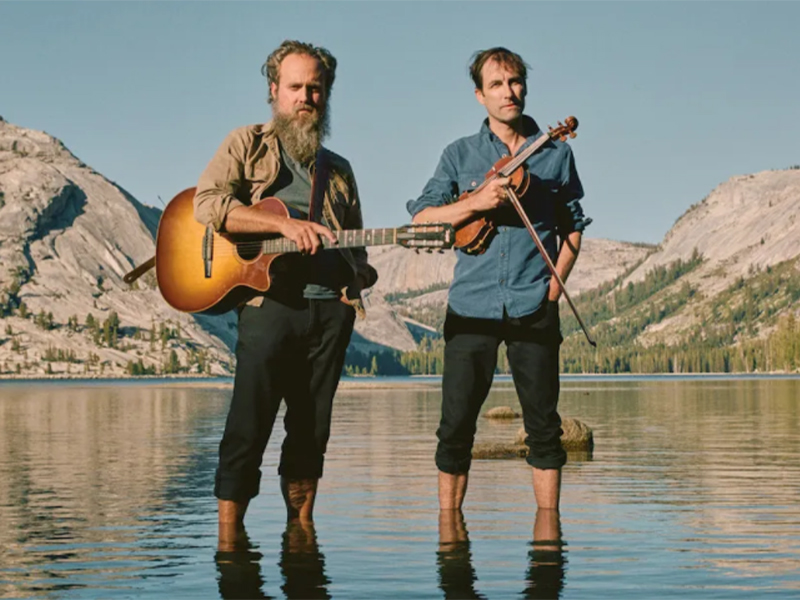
(262, 171)
(468, 182)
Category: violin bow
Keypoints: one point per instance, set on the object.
(512, 195)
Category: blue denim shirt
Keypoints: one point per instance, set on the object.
(511, 275)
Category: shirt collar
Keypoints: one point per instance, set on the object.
(531, 125)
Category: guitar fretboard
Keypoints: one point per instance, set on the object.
(349, 238)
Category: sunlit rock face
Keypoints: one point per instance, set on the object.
(67, 237)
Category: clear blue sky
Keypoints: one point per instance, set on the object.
(673, 98)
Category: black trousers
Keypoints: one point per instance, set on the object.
(470, 359)
(292, 351)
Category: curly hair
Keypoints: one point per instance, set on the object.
(504, 56)
(270, 68)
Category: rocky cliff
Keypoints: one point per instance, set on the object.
(67, 236)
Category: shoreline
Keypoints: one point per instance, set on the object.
(375, 381)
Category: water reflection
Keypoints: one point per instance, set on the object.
(301, 564)
(546, 559)
(545, 575)
(454, 558)
(239, 569)
(692, 489)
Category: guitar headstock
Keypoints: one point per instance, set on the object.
(564, 130)
(426, 236)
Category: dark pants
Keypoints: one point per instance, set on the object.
(286, 351)
(470, 358)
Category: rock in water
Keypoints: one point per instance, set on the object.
(501, 412)
(576, 437)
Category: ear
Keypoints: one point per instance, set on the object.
(273, 90)
(480, 97)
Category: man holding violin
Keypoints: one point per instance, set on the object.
(503, 291)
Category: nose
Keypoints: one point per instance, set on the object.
(308, 95)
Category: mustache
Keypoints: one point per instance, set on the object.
(307, 106)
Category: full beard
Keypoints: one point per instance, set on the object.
(302, 135)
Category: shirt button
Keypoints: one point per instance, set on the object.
(474, 183)
(502, 254)
(502, 281)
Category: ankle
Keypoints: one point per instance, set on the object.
(299, 496)
(231, 512)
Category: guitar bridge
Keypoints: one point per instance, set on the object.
(208, 250)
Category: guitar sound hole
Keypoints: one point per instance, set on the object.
(248, 250)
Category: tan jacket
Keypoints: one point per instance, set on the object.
(248, 162)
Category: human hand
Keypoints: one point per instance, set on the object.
(306, 234)
(491, 196)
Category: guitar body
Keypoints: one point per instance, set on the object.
(180, 269)
(201, 271)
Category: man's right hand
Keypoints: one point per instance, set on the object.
(306, 234)
(491, 196)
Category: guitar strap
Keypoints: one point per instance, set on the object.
(320, 182)
(139, 270)
(322, 207)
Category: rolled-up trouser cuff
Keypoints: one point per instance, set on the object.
(555, 460)
(236, 486)
(301, 469)
(454, 466)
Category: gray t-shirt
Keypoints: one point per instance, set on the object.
(325, 273)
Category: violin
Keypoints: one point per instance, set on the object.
(474, 236)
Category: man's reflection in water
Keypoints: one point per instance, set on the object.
(239, 567)
(546, 572)
(302, 564)
(454, 559)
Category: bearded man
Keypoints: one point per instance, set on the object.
(292, 339)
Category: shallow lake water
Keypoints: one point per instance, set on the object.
(693, 490)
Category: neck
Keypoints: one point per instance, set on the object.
(511, 134)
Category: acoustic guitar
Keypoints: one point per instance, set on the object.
(201, 271)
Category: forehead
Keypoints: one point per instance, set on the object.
(300, 67)
(494, 69)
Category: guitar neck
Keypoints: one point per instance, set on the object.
(349, 238)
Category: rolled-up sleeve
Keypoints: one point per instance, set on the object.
(216, 190)
(569, 212)
(441, 189)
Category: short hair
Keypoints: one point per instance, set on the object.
(504, 56)
(271, 67)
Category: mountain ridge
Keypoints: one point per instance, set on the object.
(68, 235)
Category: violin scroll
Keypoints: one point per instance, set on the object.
(564, 130)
